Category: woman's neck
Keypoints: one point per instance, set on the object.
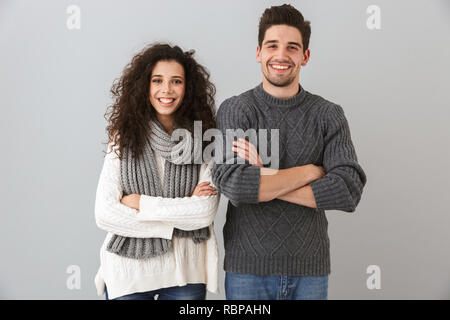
(167, 122)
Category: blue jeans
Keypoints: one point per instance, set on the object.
(192, 291)
(274, 287)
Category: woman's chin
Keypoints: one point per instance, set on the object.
(166, 111)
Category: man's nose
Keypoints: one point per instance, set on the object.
(282, 53)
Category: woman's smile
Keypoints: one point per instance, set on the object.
(166, 102)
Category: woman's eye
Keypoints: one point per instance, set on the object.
(178, 81)
(156, 80)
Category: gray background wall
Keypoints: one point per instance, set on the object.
(392, 83)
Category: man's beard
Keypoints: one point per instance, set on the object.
(279, 82)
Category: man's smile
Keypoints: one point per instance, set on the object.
(280, 67)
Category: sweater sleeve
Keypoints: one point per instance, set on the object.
(238, 181)
(187, 213)
(342, 186)
(112, 216)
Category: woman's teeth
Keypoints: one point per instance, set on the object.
(165, 100)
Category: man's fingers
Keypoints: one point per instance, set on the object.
(245, 144)
(243, 154)
(247, 151)
(246, 147)
(242, 144)
(241, 148)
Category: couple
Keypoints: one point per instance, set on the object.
(158, 207)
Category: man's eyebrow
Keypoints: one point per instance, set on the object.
(276, 41)
(295, 43)
(271, 41)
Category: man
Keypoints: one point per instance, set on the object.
(276, 241)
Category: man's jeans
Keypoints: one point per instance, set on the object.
(253, 287)
(192, 291)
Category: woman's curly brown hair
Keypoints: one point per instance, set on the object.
(130, 114)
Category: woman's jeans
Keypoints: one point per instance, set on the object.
(254, 287)
(192, 291)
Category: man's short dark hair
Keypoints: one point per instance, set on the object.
(287, 15)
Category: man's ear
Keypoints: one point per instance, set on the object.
(258, 54)
(306, 54)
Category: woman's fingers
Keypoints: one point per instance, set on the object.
(205, 186)
(204, 189)
(206, 192)
(207, 189)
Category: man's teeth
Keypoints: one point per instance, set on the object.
(276, 66)
(163, 100)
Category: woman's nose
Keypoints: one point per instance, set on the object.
(167, 88)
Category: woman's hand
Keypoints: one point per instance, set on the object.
(204, 189)
(247, 151)
(131, 200)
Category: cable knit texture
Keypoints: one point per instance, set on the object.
(279, 237)
(186, 262)
(140, 176)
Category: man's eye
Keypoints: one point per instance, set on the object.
(293, 48)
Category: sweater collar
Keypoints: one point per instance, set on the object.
(288, 102)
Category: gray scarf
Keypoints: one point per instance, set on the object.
(140, 176)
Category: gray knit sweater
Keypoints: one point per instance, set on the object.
(278, 237)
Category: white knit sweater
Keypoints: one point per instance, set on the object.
(186, 262)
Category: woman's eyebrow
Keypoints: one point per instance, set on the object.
(159, 75)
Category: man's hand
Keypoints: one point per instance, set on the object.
(315, 172)
(131, 200)
(247, 151)
(302, 194)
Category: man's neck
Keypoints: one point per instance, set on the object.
(281, 92)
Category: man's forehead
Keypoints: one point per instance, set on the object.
(282, 33)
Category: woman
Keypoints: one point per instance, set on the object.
(157, 203)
